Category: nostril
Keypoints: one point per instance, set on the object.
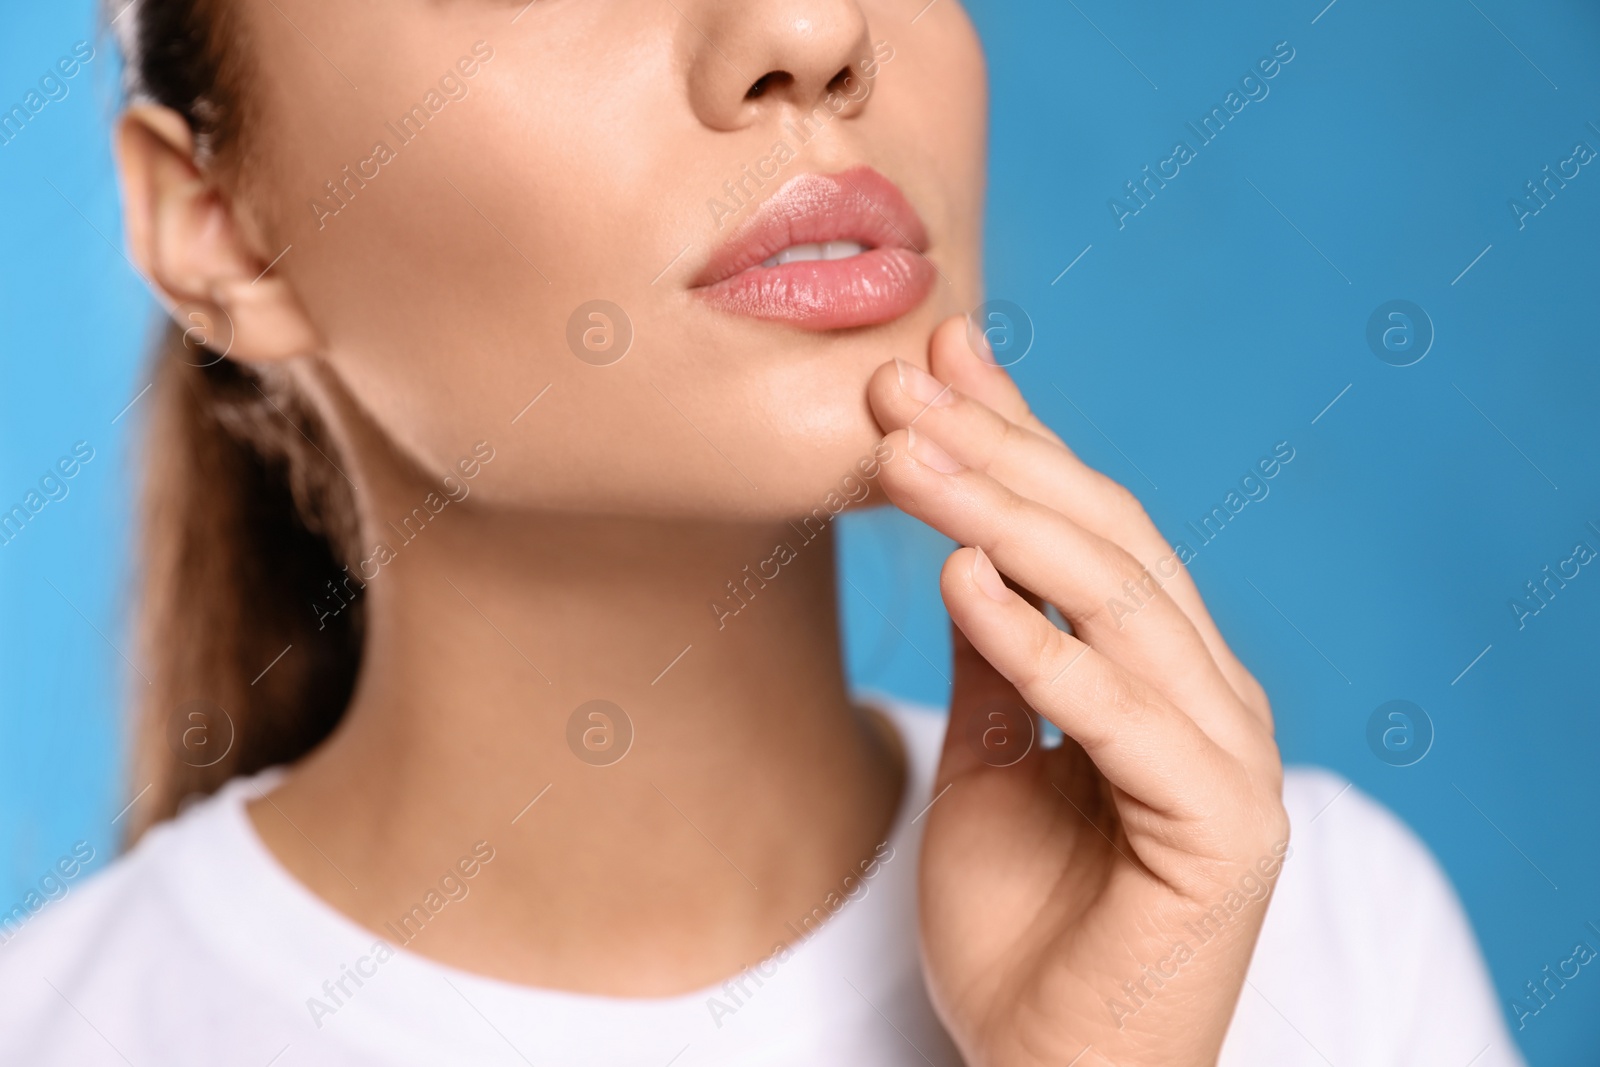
(840, 82)
(772, 79)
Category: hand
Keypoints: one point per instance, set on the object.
(1105, 894)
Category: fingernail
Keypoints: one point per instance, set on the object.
(929, 453)
(921, 386)
(987, 577)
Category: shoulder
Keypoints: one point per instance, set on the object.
(1329, 812)
(104, 906)
(1366, 954)
(1367, 882)
(74, 943)
(128, 954)
(1346, 846)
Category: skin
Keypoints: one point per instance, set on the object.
(614, 509)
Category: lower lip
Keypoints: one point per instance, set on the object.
(874, 287)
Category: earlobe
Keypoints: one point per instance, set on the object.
(184, 238)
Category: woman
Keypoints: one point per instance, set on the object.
(494, 710)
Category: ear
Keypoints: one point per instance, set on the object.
(184, 237)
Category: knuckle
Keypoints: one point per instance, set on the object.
(1010, 439)
(1128, 514)
(1123, 565)
(995, 440)
(1109, 699)
(1267, 825)
(1125, 575)
(1118, 693)
(1122, 500)
(1255, 696)
(1047, 654)
(1020, 516)
(1272, 831)
(1023, 506)
(1276, 823)
(1253, 831)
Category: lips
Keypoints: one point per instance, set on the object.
(825, 252)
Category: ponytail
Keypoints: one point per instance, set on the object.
(244, 517)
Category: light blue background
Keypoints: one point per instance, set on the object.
(1189, 342)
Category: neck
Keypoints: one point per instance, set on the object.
(749, 788)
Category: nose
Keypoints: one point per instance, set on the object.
(751, 57)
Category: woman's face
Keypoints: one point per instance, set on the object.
(458, 181)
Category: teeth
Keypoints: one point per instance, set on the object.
(804, 253)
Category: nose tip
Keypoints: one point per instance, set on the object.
(754, 57)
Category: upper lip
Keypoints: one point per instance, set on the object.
(858, 204)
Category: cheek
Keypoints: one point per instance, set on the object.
(446, 286)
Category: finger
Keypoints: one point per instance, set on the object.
(959, 354)
(990, 725)
(1139, 740)
(953, 359)
(1085, 576)
(1042, 469)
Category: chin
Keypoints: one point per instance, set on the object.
(828, 458)
(807, 435)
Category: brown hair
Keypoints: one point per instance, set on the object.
(244, 517)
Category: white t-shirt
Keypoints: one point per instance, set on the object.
(197, 949)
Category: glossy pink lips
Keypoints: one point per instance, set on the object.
(886, 280)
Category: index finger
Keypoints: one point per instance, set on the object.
(987, 424)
